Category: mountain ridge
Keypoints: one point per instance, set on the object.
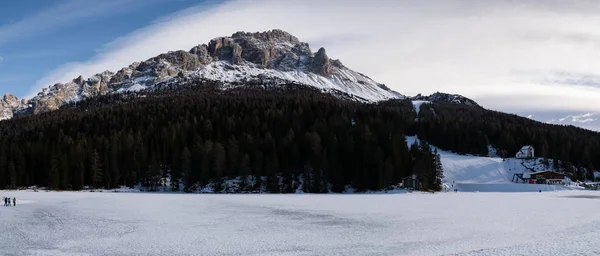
(271, 57)
(446, 97)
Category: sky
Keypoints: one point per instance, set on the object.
(536, 58)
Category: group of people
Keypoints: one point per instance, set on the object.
(7, 201)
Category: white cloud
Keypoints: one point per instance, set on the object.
(583, 118)
(508, 55)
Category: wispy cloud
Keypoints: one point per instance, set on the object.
(501, 53)
(583, 118)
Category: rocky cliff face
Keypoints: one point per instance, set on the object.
(271, 57)
(7, 104)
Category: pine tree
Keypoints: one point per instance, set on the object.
(185, 170)
(77, 166)
(3, 167)
(233, 156)
(218, 160)
(114, 163)
(64, 173)
(439, 171)
(96, 169)
(12, 174)
(54, 172)
(207, 161)
(272, 184)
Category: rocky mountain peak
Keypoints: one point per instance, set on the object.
(10, 99)
(79, 80)
(7, 104)
(270, 57)
(272, 36)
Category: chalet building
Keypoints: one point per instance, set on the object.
(526, 152)
(543, 177)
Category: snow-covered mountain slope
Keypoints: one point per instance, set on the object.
(490, 174)
(270, 58)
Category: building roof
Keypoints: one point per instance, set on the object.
(533, 173)
(526, 147)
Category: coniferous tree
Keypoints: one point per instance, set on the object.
(3, 167)
(233, 156)
(184, 173)
(54, 172)
(12, 173)
(96, 169)
(64, 173)
(218, 160)
(439, 170)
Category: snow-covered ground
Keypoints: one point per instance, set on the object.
(489, 174)
(85, 223)
(417, 105)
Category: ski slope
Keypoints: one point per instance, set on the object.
(468, 224)
(488, 174)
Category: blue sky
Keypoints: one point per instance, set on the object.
(38, 36)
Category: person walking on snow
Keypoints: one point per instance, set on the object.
(9, 201)
(5, 201)
(14, 201)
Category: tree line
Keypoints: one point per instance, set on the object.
(271, 137)
(199, 134)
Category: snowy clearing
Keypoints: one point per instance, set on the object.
(469, 173)
(85, 223)
(417, 105)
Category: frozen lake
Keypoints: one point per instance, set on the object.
(84, 223)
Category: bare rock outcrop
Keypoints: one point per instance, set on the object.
(321, 64)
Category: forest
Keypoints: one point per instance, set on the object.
(198, 134)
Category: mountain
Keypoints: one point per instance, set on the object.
(264, 110)
(268, 58)
(445, 97)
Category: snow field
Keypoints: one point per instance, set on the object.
(85, 223)
(469, 173)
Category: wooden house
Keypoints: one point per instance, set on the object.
(545, 177)
(526, 152)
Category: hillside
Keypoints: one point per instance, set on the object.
(291, 136)
(464, 129)
(263, 107)
(493, 174)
